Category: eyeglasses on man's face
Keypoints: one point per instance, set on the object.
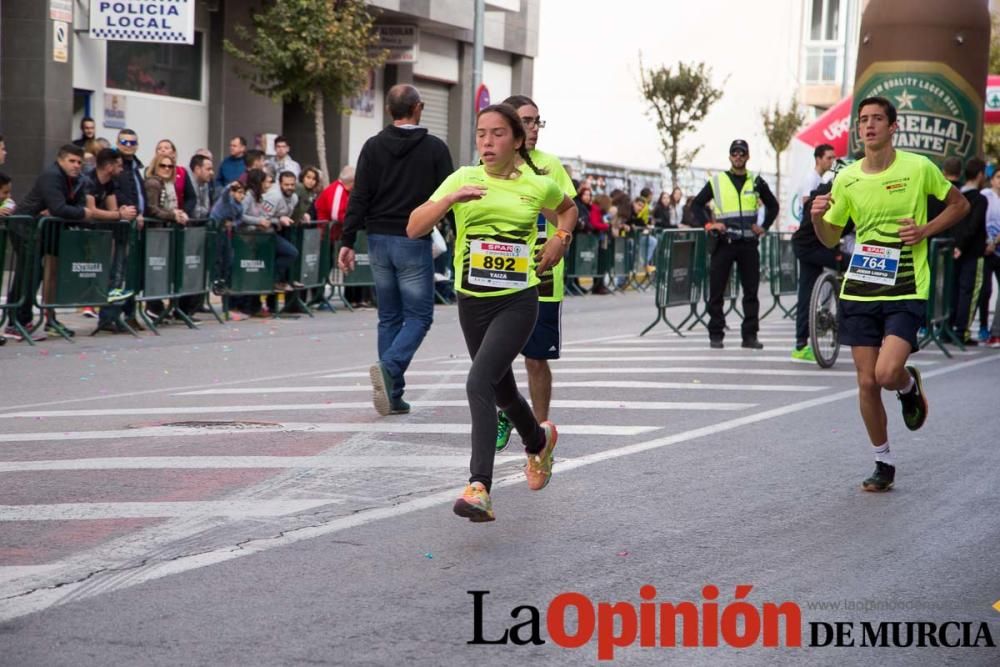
(738, 153)
(532, 121)
(128, 142)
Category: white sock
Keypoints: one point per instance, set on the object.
(882, 453)
(909, 386)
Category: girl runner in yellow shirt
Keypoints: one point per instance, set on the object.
(496, 206)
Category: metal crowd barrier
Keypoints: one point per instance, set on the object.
(312, 268)
(17, 267)
(175, 264)
(361, 276)
(677, 280)
(78, 258)
(941, 260)
(780, 268)
(582, 260)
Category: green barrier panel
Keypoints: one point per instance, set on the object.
(18, 261)
(941, 260)
(620, 257)
(362, 275)
(158, 267)
(677, 280)
(682, 288)
(778, 255)
(84, 267)
(310, 250)
(253, 263)
(641, 242)
(191, 273)
(584, 253)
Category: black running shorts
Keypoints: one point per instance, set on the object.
(867, 323)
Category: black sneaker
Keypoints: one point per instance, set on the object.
(914, 403)
(716, 344)
(398, 406)
(752, 344)
(881, 479)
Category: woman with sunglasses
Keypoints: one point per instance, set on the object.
(496, 206)
(187, 197)
(161, 202)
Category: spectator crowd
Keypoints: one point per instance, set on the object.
(94, 179)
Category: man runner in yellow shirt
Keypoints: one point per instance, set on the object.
(884, 294)
(545, 340)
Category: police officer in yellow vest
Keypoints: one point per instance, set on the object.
(736, 197)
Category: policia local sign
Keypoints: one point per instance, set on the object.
(170, 21)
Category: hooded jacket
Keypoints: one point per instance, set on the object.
(398, 170)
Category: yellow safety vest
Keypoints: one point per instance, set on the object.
(737, 210)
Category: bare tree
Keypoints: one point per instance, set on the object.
(679, 98)
(780, 127)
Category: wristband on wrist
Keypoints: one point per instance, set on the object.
(564, 235)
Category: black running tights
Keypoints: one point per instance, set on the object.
(495, 330)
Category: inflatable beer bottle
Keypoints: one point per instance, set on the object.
(930, 59)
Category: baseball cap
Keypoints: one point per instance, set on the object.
(739, 144)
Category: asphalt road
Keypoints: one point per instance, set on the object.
(227, 496)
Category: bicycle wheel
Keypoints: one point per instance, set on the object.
(823, 306)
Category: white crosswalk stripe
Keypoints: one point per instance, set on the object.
(314, 407)
(297, 427)
(179, 509)
(590, 384)
(808, 370)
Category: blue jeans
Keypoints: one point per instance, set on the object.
(403, 269)
(285, 254)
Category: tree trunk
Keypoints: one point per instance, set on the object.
(321, 139)
(673, 165)
(777, 185)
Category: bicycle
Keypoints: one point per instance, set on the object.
(824, 308)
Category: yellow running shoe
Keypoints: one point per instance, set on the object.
(474, 504)
(539, 467)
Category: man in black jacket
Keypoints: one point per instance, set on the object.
(970, 244)
(398, 170)
(58, 192)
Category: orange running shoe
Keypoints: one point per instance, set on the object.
(474, 504)
(538, 470)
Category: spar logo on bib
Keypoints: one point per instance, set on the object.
(939, 114)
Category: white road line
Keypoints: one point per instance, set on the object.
(643, 370)
(16, 605)
(611, 358)
(236, 462)
(697, 345)
(608, 384)
(570, 404)
(701, 341)
(264, 378)
(294, 427)
(232, 509)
